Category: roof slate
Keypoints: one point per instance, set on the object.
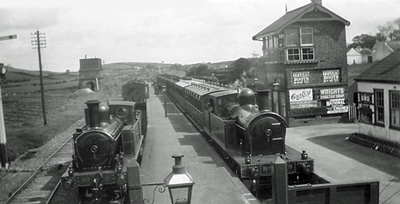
(394, 44)
(386, 70)
(290, 17)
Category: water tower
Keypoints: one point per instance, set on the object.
(90, 74)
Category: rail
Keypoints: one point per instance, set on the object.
(35, 173)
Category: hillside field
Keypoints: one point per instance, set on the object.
(64, 105)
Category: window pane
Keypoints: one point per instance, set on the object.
(379, 106)
(292, 37)
(395, 108)
(307, 53)
(293, 54)
(270, 42)
(395, 118)
(306, 36)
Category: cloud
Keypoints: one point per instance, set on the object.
(27, 18)
(173, 31)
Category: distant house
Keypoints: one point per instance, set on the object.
(380, 51)
(383, 49)
(305, 62)
(378, 99)
(366, 55)
(359, 56)
(353, 57)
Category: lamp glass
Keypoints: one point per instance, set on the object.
(181, 195)
(179, 182)
(180, 186)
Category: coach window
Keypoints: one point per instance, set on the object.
(211, 105)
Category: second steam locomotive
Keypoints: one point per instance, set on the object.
(108, 149)
(248, 136)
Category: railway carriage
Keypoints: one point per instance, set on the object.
(248, 138)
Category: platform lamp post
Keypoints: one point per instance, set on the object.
(164, 90)
(179, 183)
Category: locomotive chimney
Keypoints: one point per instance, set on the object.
(93, 119)
(262, 99)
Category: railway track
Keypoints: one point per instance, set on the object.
(45, 180)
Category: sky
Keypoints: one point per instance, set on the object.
(161, 31)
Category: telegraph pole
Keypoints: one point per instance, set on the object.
(39, 41)
(3, 139)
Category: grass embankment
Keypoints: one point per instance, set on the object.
(35, 134)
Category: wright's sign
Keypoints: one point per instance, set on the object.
(332, 93)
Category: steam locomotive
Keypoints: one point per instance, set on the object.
(248, 136)
(108, 149)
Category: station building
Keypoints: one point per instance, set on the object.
(306, 62)
(378, 99)
(91, 74)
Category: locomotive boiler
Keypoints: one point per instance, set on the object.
(104, 150)
(248, 136)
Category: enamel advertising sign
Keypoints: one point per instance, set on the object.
(300, 95)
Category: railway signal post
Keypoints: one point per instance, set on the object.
(3, 140)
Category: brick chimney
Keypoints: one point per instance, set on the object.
(317, 2)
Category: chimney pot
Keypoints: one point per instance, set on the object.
(317, 2)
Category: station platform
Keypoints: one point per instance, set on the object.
(166, 136)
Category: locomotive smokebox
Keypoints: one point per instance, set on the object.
(262, 99)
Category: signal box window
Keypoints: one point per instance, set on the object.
(292, 37)
(394, 109)
(293, 54)
(306, 36)
(307, 53)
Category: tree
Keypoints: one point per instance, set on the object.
(240, 68)
(386, 31)
(241, 65)
(363, 40)
(198, 71)
(202, 70)
(176, 67)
